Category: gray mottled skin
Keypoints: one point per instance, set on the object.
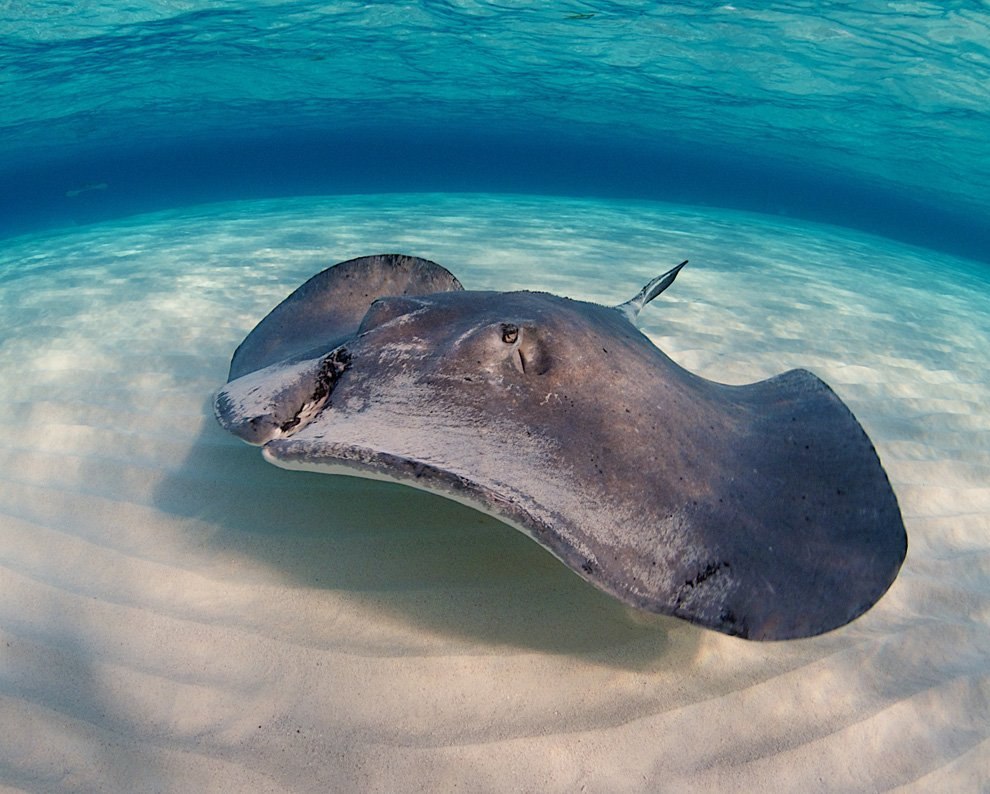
(760, 510)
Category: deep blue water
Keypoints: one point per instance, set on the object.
(868, 114)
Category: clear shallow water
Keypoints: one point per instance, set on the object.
(177, 612)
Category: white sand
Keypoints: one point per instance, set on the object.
(177, 615)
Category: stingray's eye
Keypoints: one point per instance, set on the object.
(510, 333)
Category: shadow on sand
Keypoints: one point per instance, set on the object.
(426, 560)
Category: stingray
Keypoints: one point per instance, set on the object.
(760, 511)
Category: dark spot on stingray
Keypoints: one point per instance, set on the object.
(710, 570)
(675, 455)
(732, 624)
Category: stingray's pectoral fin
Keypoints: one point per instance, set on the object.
(782, 525)
(632, 307)
(327, 310)
(279, 400)
(797, 530)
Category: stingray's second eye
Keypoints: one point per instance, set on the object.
(388, 308)
(510, 333)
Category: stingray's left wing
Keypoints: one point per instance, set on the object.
(329, 307)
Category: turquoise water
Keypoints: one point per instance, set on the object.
(870, 114)
(178, 615)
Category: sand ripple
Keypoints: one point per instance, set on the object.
(177, 615)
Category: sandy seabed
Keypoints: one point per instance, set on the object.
(178, 615)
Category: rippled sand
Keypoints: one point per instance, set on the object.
(175, 614)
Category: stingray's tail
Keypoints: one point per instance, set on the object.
(632, 307)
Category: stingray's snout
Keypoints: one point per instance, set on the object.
(278, 401)
(258, 429)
